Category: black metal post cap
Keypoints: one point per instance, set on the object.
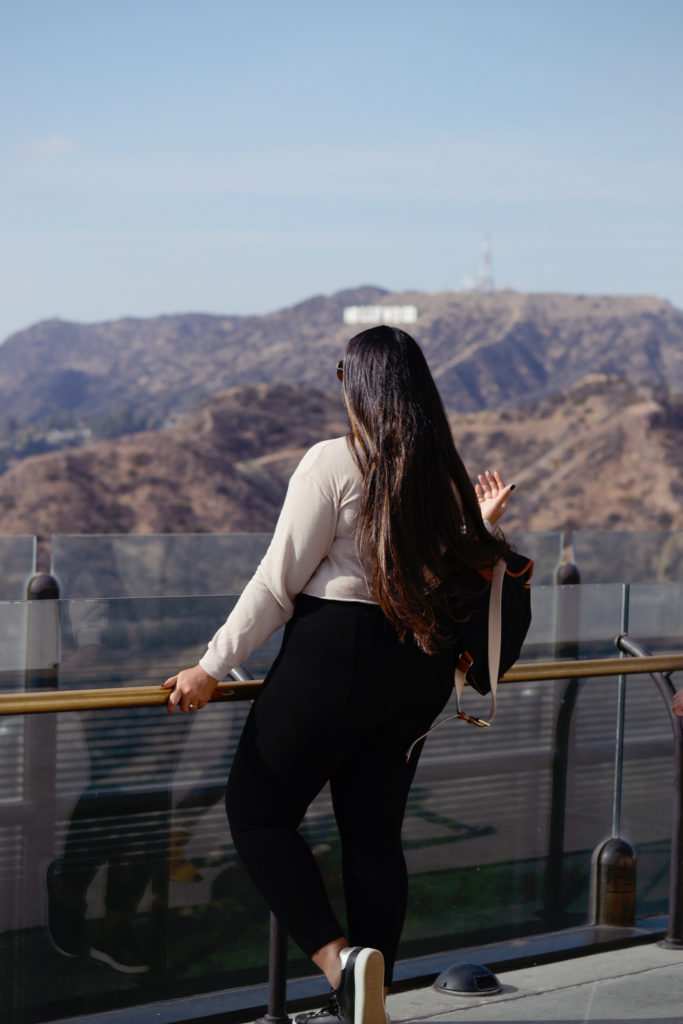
(42, 587)
(468, 980)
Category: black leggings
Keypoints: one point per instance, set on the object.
(342, 703)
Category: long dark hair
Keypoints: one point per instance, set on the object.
(419, 531)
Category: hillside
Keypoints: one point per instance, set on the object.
(605, 454)
(486, 351)
(576, 398)
(223, 468)
(140, 372)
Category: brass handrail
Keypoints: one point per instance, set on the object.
(24, 703)
(111, 697)
(587, 667)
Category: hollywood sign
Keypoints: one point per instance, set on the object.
(380, 314)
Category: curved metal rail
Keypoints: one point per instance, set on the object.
(640, 654)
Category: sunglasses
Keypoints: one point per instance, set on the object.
(340, 370)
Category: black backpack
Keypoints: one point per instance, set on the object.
(491, 635)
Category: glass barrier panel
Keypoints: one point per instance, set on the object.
(546, 551)
(167, 564)
(656, 621)
(648, 788)
(13, 623)
(114, 845)
(17, 565)
(132, 565)
(574, 621)
(656, 615)
(629, 557)
(115, 857)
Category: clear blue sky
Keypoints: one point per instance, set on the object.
(236, 156)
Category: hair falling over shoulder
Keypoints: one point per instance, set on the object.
(419, 532)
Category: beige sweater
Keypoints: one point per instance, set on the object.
(312, 552)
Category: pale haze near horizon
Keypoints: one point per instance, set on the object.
(237, 157)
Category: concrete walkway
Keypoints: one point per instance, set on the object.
(622, 986)
(630, 985)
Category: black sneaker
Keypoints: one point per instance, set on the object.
(361, 990)
(65, 914)
(330, 1014)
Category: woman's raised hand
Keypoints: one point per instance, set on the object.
(191, 689)
(492, 495)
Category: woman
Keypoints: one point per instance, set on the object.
(364, 567)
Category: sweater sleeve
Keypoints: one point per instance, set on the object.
(303, 536)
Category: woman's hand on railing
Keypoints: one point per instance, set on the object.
(492, 495)
(678, 703)
(191, 689)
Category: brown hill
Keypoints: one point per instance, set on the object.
(486, 350)
(605, 454)
(221, 469)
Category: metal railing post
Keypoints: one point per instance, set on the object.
(41, 676)
(615, 860)
(621, 721)
(277, 976)
(42, 633)
(553, 891)
(567, 575)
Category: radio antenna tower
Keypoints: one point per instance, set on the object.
(482, 280)
(486, 274)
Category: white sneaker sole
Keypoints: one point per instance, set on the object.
(111, 961)
(362, 988)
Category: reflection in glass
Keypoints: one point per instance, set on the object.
(122, 810)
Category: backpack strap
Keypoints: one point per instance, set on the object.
(495, 635)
